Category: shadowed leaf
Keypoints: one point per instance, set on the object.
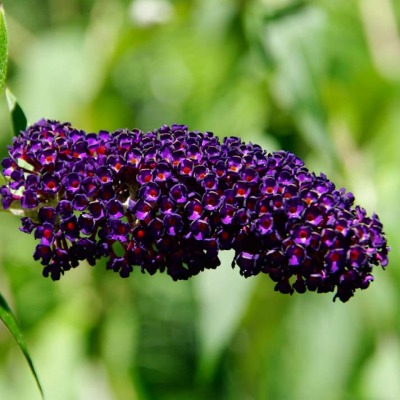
(18, 118)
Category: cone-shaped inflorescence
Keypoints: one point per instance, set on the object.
(171, 199)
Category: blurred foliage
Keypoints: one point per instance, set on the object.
(319, 78)
(3, 48)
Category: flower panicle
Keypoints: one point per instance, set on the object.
(173, 198)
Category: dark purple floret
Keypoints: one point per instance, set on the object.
(72, 183)
(47, 214)
(119, 231)
(194, 209)
(89, 186)
(7, 197)
(104, 175)
(144, 176)
(150, 192)
(173, 224)
(295, 254)
(29, 199)
(79, 202)
(162, 172)
(210, 181)
(264, 225)
(64, 209)
(43, 253)
(86, 224)
(178, 193)
(45, 233)
(212, 201)
(156, 228)
(50, 183)
(9, 166)
(96, 210)
(27, 225)
(294, 207)
(227, 213)
(120, 265)
(186, 167)
(70, 228)
(115, 209)
(142, 210)
(173, 198)
(200, 229)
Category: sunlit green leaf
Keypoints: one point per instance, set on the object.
(18, 119)
(25, 165)
(10, 322)
(3, 48)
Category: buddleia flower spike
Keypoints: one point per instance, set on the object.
(173, 198)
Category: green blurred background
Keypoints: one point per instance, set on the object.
(319, 78)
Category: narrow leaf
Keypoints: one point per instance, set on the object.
(18, 118)
(3, 48)
(10, 322)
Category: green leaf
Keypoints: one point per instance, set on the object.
(18, 117)
(3, 48)
(10, 322)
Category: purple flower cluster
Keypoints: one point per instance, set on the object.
(171, 199)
